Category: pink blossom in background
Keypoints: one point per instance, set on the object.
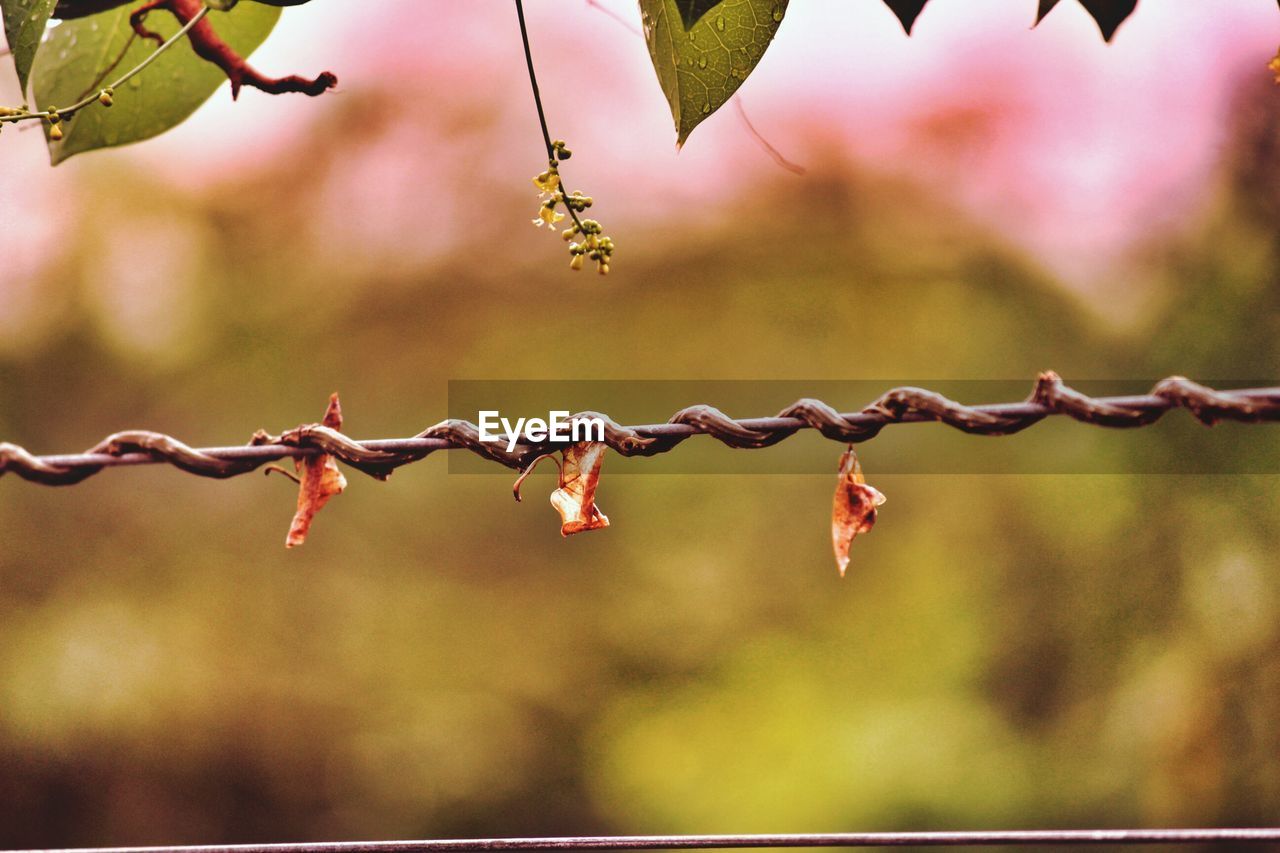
(1071, 148)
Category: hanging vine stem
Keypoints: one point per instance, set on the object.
(104, 96)
(595, 244)
(552, 149)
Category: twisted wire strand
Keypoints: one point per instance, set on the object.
(1002, 838)
(378, 458)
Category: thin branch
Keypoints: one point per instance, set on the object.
(379, 458)
(793, 168)
(542, 116)
(96, 85)
(623, 22)
(209, 46)
(64, 112)
(533, 81)
(174, 39)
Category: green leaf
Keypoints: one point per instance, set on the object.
(907, 11)
(24, 23)
(86, 54)
(701, 64)
(1109, 14)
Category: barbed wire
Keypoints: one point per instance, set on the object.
(1069, 837)
(379, 457)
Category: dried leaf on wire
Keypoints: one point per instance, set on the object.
(575, 496)
(319, 480)
(854, 509)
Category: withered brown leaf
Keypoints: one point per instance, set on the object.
(575, 497)
(854, 509)
(319, 480)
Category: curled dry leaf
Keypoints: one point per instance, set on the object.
(854, 508)
(575, 498)
(319, 480)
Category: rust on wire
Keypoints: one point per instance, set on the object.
(378, 458)
(1068, 837)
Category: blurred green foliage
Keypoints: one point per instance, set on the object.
(1007, 651)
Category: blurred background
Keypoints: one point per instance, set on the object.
(981, 202)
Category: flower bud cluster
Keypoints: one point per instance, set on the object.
(594, 245)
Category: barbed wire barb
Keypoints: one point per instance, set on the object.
(379, 457)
